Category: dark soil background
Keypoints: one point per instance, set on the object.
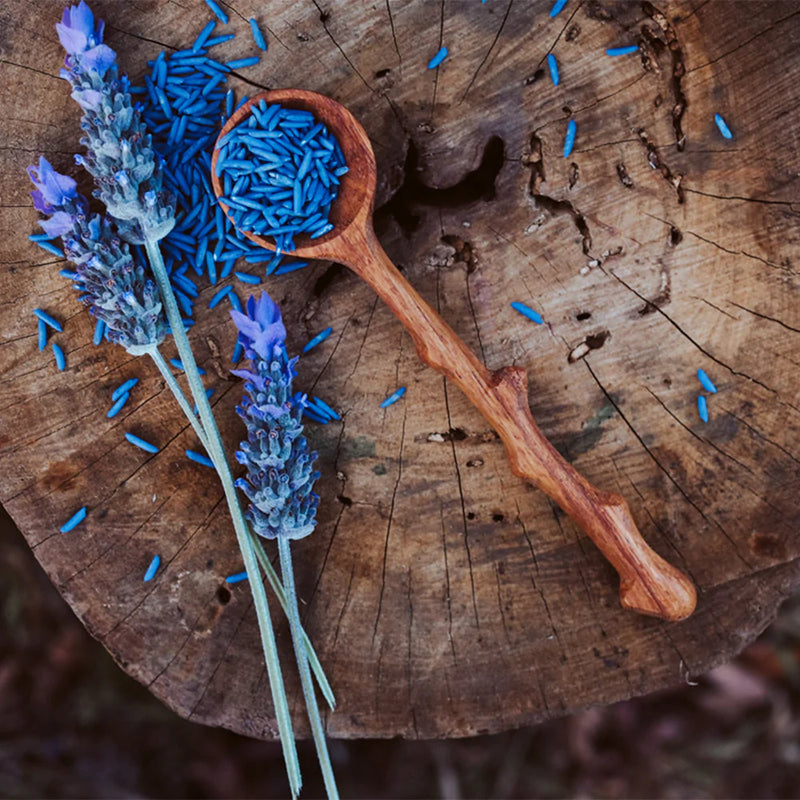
(72, 724)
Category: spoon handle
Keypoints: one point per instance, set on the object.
(648, 584)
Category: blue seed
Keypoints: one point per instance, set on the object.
(179, 364)
(61, 361)
(117, 407)
(40, 237)
(393, 398)
(239, 576)
(291, 267)
(141, 443)
(702, 407)
(124, 388)
(220, 39)
(622, 51)
(235, 301)
(219, 296)
(217, 11)
(99, 332)
(246, 277)
(42, 334)
(48, 320)
(438, 58)
(199, 458)
(706, 382)
(152, 569)
(558, 7)
(240, 63)
(51, 248)
(528, 312)
(317, 416)
(326, 408)
(74, 521)
(320, 337)
(238, 352)
(553, 66)
(723, 127)
(258, 37)
(203, 37)
(569, 139)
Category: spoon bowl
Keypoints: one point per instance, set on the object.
(648, 584)
(352, 209)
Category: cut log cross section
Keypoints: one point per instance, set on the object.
(445, 595)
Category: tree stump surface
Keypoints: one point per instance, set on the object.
(445, 596)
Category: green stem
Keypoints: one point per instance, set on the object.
(317, 731)
(174, 386)
(313, 661)
(269, 570)
(216, 452)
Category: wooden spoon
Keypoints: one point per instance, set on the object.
(648, 584)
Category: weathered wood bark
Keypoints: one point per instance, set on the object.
(446, 596)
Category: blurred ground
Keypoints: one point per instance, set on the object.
(72, 724)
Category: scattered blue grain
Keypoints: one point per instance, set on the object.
(217, 11)
(316, 415)
(258, 36)
(569, 139)
(723, 127)
(702, 407)
(706, 382)
(438, 58)
(48, 320)
(209, 392)
(226, 37)
(74, 521)
(553, 67)
(61, 361)
(199, 458)
(219, 296)
(51, 248)
(99, 332)
(235, 301)
(290, 267)
(201, 40)
(152, 569)
(117, 407)
(527, 311)
(40, 237)
(246, 277)
(68, 273)
(320, 337)
(141, 443)
(240, 63)
(239, 576)
(622, 51)
(124, 388)
(393, 398)
(179, 364)
(558, 7)
(329, 412)
(42, 334)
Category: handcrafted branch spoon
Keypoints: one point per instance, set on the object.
(648, 584)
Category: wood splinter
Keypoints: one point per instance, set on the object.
(648, 584)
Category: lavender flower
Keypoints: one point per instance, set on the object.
(114, 286)
(280, 477)
(120, 155)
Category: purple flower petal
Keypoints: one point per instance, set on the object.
(73, 41)
(98, 58)
(56, 188)
(39, 203)
(59, 224)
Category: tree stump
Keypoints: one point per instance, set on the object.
(445, 596)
